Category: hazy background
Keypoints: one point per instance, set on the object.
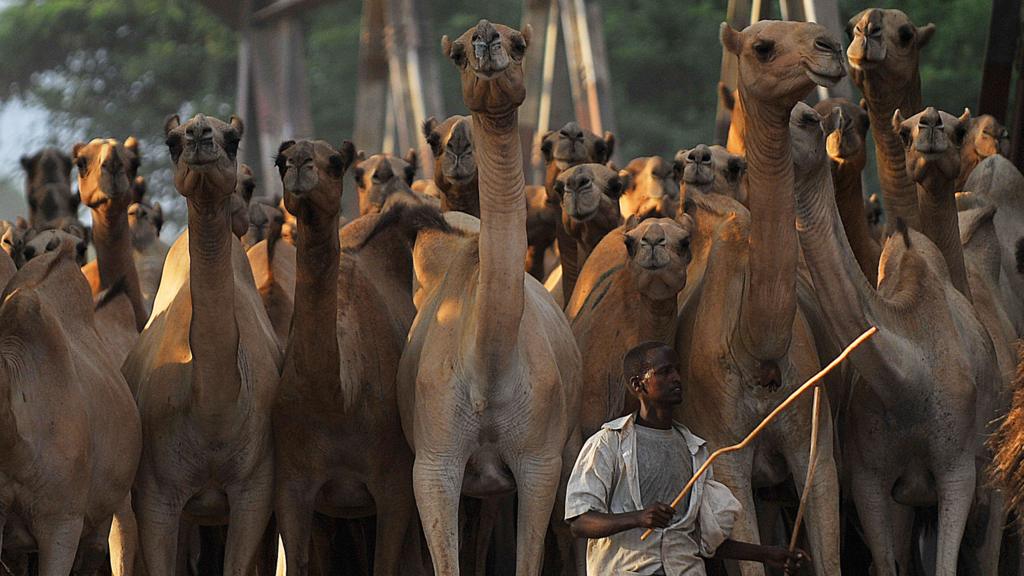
(78, 69)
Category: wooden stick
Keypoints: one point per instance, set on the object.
(812, 465)
(768, 419)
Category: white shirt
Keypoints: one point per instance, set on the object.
(605, 479)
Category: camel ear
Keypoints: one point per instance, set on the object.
(725, 96)
(26, 163)
(897, 121)
(138, 188)
(836, 120)
(158, 216)
(131, 144)
(632, 222)
(76, 149)
(614, 187)
(527, 33)
(455, 51)
(429, 125)
(431, 135)
(237, 124)
(609, 146)
(412, 159)
(547, 146)
(679, 163)
(20, 222)
(961, 128)
(731, 39)
(172, 122)
(626, 178)
(736, 167)
(348, 153)
(924, 35)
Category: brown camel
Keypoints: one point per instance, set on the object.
(148, 250)
(847, 126)
(489, 381)
(626, 295)
(543, 217)
(205, 369)
(51, 239)
(12, 239)
(590, 209)
(709, 170)
(245, 183)
(382, 178)
(743, 343)
(70, 431)
(273, 269)
(451, 142)
(48, 187)
(985, 137)
(884, 51)
(649, 189)
(912, 430)
(352, 313)
(265, 220)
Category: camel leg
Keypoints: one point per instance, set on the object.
(124, 541)
(58, 546)
(294, 504)
(250, 507)
(992, 526)
(537, 485)
(395, 510)
(734, 471)
(821, 516)
(437, 483)
(92, 551)
(158, 519)
(871, 496)
(573, 551)
(956, 492)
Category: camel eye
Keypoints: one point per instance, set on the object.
(82, 164)
(764, 49)
(905, 136)
(906, 34)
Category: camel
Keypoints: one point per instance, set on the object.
(451, 142)
(884, 51)
(382, 178)
(148, 250)
(12, 239)
(488, 383)
(709, 170)
(912, 430)
(931, 143)
(273, 270)
(649, 189)
(743, 343)
(543, 217)
(985, 137)
(245, 183)
(289, 224)
(70, 431)
(41, 242)
(205, 369)
(265, 220)
(48, 187)
(847, 153)
(589, 207)
(353, 310)
(626, 295)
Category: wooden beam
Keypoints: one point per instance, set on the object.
(282, 9)
(602, 71)
(999, 55)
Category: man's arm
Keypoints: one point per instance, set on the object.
(600, 525)
(774, 556)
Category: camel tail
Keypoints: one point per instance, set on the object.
(410, 219)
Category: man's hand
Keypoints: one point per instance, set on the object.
(781, 558)
(657, 515)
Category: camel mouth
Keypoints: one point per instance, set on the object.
(824, 79)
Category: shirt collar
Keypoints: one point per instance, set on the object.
(693, 442)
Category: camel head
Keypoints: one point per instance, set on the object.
(886, 41)
(245, 183)
(48, 186)
(106, 172)
(12, 239)
(145, 222)
(52, 240)
(659, 252)
(986, 137)
(931, 141)
(381, 177)
(311, 172)
(709, 169)
(490, 62)
(581, 188)
(265, 221)
(846, 125)
(452, 145)
(780, 62)
(571, 145)
(807, 138)
(649, 188)
(203, 152)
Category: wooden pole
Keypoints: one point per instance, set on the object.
(574, 62)
(547, 84)
(1000, 50)
(535, 15)
(372, 79)
(602, 71)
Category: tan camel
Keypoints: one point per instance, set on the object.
(70, 431)
(912, 430)
(148, 250)
(273, 270)
(590, 208)
(742, 342)
(884, 51)
(931, 144)
(205, 369)
(352, 313)
(51, 239)
(985, 137)
(48, 187)
(847, 126)
(626, 295)
(488, 401)
(381, 177)
(649, 189)
(12, 239)
(709, 170)
(451, 142)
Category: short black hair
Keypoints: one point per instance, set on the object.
(637, 360)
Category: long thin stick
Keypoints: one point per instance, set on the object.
(812, 465)
(768, 419)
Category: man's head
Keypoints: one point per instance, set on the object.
(651, 373)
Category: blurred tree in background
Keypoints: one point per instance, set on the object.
(119, 67)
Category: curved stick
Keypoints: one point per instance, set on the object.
(768, 419)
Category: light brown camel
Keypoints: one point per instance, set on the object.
(649, 189)
(12, 239)
(743, 344)
(353, 310)
(589, 207)
(273, 267)
(985, 137)
(931, 144)
(70, 431)
(382, 178)
(148, 250)
(847, 127)
(451, 142)
(709, 170)
(205, 369)
(489, 381)
(912, 433)
(48, 187)
(884, 51)
(626, 295)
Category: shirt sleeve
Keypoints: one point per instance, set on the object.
(719, 510)
(591, 483)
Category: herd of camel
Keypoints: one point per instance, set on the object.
(271, 368)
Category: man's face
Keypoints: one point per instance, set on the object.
(661, 383)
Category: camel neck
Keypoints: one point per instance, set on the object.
(213, 336)
(462, 197)
(314, 342)
(657, 319)
(850, 200)
(770, 301)
(940, 223)
(500, 292)
(111, 237)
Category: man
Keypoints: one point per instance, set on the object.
(633, 465)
